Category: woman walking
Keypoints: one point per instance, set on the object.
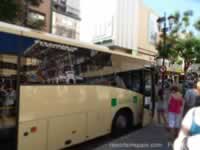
(175, 109)
(189, 134)
(161, 108)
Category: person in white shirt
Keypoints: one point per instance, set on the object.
(189, 134)
(190, 98)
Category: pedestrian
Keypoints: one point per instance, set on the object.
(189, 135)
(161, 107)
(190, 97)
(175, 107)
(3, 95)
(10, 101)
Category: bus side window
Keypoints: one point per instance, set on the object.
(120, 82)
(136, 81)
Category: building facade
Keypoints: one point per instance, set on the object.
(37, 17)
(132, 28)
(118, 24)
(147, 33)
(66, 18)
(60, 17)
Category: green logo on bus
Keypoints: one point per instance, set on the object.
(114, 102)
(135, 99)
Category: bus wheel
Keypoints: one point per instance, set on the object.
(122, 123)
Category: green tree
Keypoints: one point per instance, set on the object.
(188, 49)
(9, 10)
(197, 25)
(180, 41)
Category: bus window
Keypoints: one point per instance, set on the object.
(120, 82)
(127, 79)
(8, 97)
(148, 83)
(136, 83)
(70, 66)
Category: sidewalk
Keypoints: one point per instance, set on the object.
(148, 138)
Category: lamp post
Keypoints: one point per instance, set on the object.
(162, 26)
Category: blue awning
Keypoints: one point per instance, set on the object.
(14, 44)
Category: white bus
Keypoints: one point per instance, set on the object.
(69, 92)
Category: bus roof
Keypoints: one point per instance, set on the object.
(30, 33)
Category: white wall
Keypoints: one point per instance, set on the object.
(126, 24)
(118, 21)
(74, 3)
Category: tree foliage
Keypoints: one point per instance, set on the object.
(9, 10)
(197, 25)
(180, 41)
(188, 49)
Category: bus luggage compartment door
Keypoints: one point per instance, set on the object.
(32, 135)
(64, 131)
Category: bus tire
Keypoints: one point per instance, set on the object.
(122, 122)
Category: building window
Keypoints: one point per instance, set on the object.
(60, 5)
(72, 10)
(36, 19)
(36, 16)
(66, 32)
(61, 2)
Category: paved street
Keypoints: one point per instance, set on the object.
(148, 138)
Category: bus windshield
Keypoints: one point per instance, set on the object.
(50, 63)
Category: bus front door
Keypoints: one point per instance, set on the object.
(149, 96)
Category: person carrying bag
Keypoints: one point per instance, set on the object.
(189, 134)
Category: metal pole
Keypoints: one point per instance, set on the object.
(19, 66)
(18, 99)
(164, 49)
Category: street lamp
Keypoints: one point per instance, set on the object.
(162, 26)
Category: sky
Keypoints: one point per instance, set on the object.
(159, 6)
(170, 6)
